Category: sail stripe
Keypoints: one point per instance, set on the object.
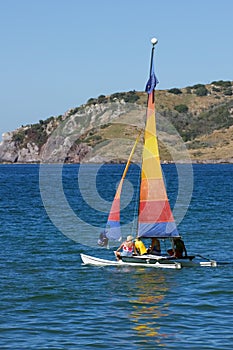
(155, 211)
(161, 229)
(154, 187)
(114, 214)
(149, 172)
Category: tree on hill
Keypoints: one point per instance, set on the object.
(201, 91)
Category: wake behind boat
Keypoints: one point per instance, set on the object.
(155, 219)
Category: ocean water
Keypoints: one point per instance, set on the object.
(49, 300)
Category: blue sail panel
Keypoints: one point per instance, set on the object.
(113, 230)
(159, 230)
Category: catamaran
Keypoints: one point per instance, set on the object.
(155, 218)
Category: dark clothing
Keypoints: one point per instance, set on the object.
(178, 248)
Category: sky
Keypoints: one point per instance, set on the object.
(56, 54)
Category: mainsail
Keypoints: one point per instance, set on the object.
(155, 215)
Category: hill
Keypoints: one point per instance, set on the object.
(195, 122)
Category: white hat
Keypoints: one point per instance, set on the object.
(129, 238)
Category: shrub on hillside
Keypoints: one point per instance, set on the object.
(175, 91)
(222, 83)
(181, 108)
(227, 92)
(19, 136)
(201, 91)
(131, 97)
(91, 101)
(102, 99)
(197, 86)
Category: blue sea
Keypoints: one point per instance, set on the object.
(49, 300)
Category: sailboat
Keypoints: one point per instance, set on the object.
(155, 218)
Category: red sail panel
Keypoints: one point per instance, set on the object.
(114, 214)
(155, 211)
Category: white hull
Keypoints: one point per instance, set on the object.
(90, 260)
(147, 261)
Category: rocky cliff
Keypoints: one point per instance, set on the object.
(197, 118)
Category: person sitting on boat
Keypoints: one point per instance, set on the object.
(154, 248)
(103, 239)
(128, 248)
(178, 248)
(140, 247)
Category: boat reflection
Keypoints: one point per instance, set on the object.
(149, 306)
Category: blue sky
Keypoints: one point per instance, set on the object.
(56, 54)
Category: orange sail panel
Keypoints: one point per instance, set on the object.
(155, 215)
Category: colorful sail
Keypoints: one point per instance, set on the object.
(113, 230)
(155, 215)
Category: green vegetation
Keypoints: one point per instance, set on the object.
(19, 137)
(201, 91)
(35, 133)
(91, 101)
(175, 91)
(129, 97)
(197, 86)
(191, 126)
(227, 92)
(102, 99)
(181, 108)
(222, 83)
(93, 139)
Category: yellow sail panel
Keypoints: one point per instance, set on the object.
(151, 147)
(151, 168)
(150, 123)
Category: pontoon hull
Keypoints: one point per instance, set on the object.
(90, 260)
(189, 261)
(148, 261)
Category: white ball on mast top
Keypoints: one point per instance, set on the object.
(154, 41)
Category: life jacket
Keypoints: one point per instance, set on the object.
(140, 247)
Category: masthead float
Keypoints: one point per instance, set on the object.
(154, 41)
